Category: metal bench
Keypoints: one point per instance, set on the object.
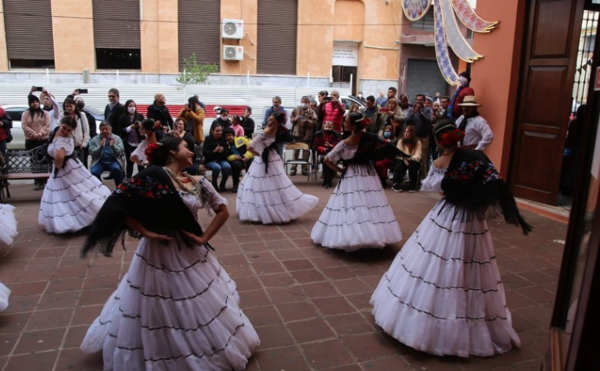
(24, 165)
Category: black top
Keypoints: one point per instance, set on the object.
(125, 121)
(248, 125)
(208, 149)
(112, 116)
(160, 113)
(219, 121)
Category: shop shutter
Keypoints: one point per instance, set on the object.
(116, 24)
(277, 33)
(29, 29)
(200, 30)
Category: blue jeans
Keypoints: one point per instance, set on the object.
(114, 168)
(217, 167)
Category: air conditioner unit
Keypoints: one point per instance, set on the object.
(232, 29)
(233, 53)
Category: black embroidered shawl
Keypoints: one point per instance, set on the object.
(472, 182)
(149, 198)
(374, 148)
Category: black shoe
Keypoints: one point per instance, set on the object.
(293, 172)
(383, 182)
(396, 187)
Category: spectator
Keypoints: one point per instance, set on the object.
(478, 134)
(5, 131)
(410, 145)
(373, 113)
(159, 112)
(334, 111)
(392, 111)
(422, 125)
(222, 121)
(383, 166)
(426, 111)
(276, 107)
(324, 142)
(572, 152)
(129, 129)
(180, 132)
(194, 115)
(391, 93)
(304, 120)
(404, 105)
(444, 104)
(106, 150)
(216, 151)
(247, 122)
(463, 91)
(240, 158)
(429, 103)
(436, 110)
(80, 103)
(81, 134)
(236, 126)
(51, 106)
(36, 126)
(360, 97)
(200, 102)
(381, 100)
(114, 109)
(323, 98)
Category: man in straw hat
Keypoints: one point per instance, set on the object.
(478, 134)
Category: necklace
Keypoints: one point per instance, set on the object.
(195, 190)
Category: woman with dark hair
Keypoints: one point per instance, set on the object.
(216, 151)
(358, 214)
(176, 308)
(148, 129)
(266, 194)
(443, 293)
(73, 196)
(129, 130)
(81, 134)
(36, 126)
(411, 145)
(236, 126)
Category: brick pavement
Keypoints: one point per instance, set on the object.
(309, 305)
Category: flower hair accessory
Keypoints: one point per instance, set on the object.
(150, 150)
(364, 121)
(157, 126)
(451, 138)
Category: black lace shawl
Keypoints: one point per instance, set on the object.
(374, 148)
(283, 136)
(149, 198)
(472, 182)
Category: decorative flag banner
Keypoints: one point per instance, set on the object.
(447, 32)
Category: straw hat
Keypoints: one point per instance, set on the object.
(470, 101)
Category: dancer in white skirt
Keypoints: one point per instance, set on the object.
(266, 194)
(8, 231)
(443, 293)
(72, 196)
(358, 214)
(148, 128)
(176, 308)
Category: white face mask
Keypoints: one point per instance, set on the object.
(305, 105)
(131, 110)
(360, 95)
(463, 81)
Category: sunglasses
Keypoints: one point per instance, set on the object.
(112, 96)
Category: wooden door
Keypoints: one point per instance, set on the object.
(553, 29)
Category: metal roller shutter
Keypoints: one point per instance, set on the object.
(29, 29)
(116, 24)
(277, 33)
(200, 30)
(424, 77)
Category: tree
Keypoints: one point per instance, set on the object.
(195, 73)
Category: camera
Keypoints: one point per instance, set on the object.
(38, 88)
(82, 91)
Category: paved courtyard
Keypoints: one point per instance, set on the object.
(310, 306)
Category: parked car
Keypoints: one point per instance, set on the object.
(16, 111)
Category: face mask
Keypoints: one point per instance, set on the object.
(463, 81)
(224, 118)
(387, 134)
(80, 105)
(360, 95)
(131, 110)
(305, 105)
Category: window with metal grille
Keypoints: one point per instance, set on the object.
(426, 23)
(277, 33)
(117, 34)
(200, 31)
(29, 38)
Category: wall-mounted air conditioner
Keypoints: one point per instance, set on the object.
(232, 29)
(233, 53)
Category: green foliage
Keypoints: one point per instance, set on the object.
(195, 73)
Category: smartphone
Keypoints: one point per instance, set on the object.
(38, 88)
(327, 99)
(83, 91)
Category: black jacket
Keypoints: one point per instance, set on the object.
(91, 122)
(208, 149)
(248, 125)
(160, 113)
(224, 124)
(124, 122)
(113, 116)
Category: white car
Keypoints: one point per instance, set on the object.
(16, 111)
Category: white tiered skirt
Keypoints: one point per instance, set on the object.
(358, 214)
(8, 224)
(443, 293)
(71, 199)
(175, 309)
(271, 198)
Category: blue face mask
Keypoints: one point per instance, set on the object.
(387, 134)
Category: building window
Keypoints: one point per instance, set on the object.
(199, 31)
(29, 38)
(277, 33)
(426, 23)
(118, 59)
